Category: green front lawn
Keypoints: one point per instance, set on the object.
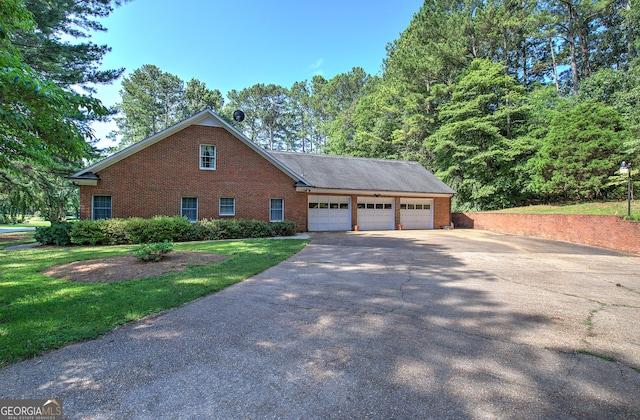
(39, 313)
(31, 222)
(618, 208)
(16, 238)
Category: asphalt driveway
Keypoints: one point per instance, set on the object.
(402, 324)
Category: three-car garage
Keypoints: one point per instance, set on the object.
(327, 212)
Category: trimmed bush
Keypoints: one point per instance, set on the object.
(254, 229)
(158, 229)
(152, 251)
(116, 231)
(230, 229)
(284, 228)
(56, 234)
(205, 230)
(88, 232)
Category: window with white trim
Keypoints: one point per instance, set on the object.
(227, 206)
(207, 157)
(101, 207)
(189, 208)
(276, 210)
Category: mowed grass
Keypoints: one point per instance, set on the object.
(617, 208)
(16, 238)
(33, 222)
(39, 313)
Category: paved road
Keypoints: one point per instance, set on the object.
(16, 229)
(457, 324)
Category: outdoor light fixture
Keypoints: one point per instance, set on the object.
(625, 168)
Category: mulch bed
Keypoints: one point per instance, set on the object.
(128, 267)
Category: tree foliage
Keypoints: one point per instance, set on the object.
(43, 118)
(39, 118)
(482, 139)
(469, 90)
(153, 100)
(483, 93)
(579, 154)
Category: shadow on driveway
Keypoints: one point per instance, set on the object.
(433, 324)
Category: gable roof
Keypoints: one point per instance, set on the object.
(206, 117)
(310, 172)
(363, 174)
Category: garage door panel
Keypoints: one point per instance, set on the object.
(416, 213)
(329, 213)
(376, 213)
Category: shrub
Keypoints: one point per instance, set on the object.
(88, 232)
(205, 230)
(56, 234)
(254, 229)
(157, 229)
(116, 231)
(229, 229)
(284, 228)
(152, 251)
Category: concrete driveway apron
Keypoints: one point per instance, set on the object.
(403, 324)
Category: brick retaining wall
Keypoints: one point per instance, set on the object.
(603, 231)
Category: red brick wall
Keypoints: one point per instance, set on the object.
(153, 181)
(603, 231)
(441, 212)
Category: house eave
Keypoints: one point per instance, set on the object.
(81, 181)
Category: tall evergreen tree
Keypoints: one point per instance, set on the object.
(482, 139)
(153, 100)
(579, 154)
(197, 97)
(265, 108)
(41, 115)
(42, 118)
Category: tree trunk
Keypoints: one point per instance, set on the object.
(555, 64)
(583, 41)
(523, 41)
(570, 38)
(631, 50)
(505, 51)
(574, 67)
(474, 48)
(508, 105)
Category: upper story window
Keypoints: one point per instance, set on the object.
(101, 207)
(207, 156)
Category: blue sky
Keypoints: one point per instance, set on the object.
(236, 44)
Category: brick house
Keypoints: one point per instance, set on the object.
(203, 168)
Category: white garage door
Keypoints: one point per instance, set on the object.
(375, 213)
(329, 213)
(416, 213)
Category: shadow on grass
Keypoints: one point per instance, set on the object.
(38, 313)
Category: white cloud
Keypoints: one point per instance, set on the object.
(316, 65)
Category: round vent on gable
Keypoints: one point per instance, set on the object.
(238, 116)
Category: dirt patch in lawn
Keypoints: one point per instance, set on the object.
(8, 237)
(128, 267)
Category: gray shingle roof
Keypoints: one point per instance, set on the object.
(354, 173)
